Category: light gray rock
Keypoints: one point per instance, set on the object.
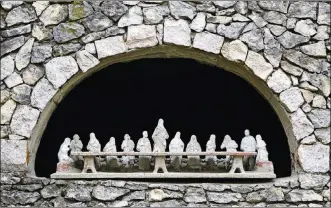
(41, 53)
(306, 108)
(305, 27)
(250, 26)
(304, 61)
(13, 155)
(304, 10)
(223, 198)
(258, 65)
(276, 30)
(155, 15)
(215, 187)
(23, 56)
(279, 81)
(133, 16)
(255, 197)
(85, 60)
(307, 86)
(241, 7)
(113, 9)
(231, 31)
(290, 40)
(235, 51)
(141, 36)
(97, 22)
(67, 31)
(320, 118)
(218, 19)
(21, 14)
(60, 69)
(327, 195)
(110, 46)
(209, 42)
(7, 111)
(309, 139)
(279, 6)
(224, 4)
(131, 3)
(42, 93)
(313, 181)
(243, 189)
(254, 39)
(291, 98)
(322, 82)
(11, 45)
(206, 6)
(316, 49)
(13, 80)
(291, 69)
(303, 196)
(65, 49)
(307, 95)
(108, 193)
(314, 158)
(8, 5)
(50, 191)
(168, 203)
(7, 66)
(40, 6)
(195, 195)
(5, 95)
(90, 47)
(112, 31)
(182, 10)
(323, 13)
(274, 195)
(19, 197)
(79, 11)
(199, 22)
(177, 32)
(323, 135)
(226, 12)
(79, 193)
(302, 127)
(24, 120)
(272, 49)
(21, 94)
(275, 17)
(54, 14)
(319, 102)
(240, 18)
(20, 30)
(211, 28)
(40, 32)
(257, 19)
(32, 74)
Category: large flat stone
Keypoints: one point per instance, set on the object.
(86, 60)
(24, 120)
(42, 93)
(141, 36)
(313, 181)
(235, 51)
(208, 42)
(54, 14)
(7, 110)
(314, 158)
(177, 32)
(292, 98)
(320, 118)
(13, 155)
(7, 66)
(11, 45)
(21, 14)
(23, 56)
(302, 127)
(259, 65)
(110, 46)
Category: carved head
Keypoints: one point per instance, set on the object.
(127, 136)
(247, 132)
(67, 141)
(193, 138)
(76, 137)
(160, 123)
(258, 137)
(225, 142)
(92, 136)
(145, 134)
(212, 137)
(177, 135)
(112, 141)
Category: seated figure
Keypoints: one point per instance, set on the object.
(176, 145)
(230, 146)
(144, 145)
(211, 147)
(94, 146)
(111, 161)
(193, 162)
(127, 146)
(248, 144)
(76, 145)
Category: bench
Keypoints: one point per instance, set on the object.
(237, 163)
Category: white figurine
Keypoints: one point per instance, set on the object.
(176, 145)
(230, 146)
(160, 137)
(63, 152)
(127, 146)
(248, 144)
(193, 146)
(76, 145)
(262, 153)
(211, 147)
(111, 147)
(93, 145)
(144, 145)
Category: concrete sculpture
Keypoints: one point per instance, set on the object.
(193, 162)
(176, 145)
(127, 146)
(144, 145)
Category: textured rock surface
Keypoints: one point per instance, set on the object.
(24, 119)
(104, 49)
(314, 158)
(23, 56)
(54, 14)
(11, 45)
(208, 42)
(292, 99)
(235, 51)
(67, 31)
(21, 14)
(85, 60)
(177, 32)
(13, 154)
(42, 93)
(141, 36)
(302, 127)
(279, 81)
(259, 65)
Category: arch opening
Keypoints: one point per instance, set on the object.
(191, 97)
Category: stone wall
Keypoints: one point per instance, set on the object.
(46, 47)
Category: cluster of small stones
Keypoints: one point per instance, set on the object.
(304, 191)
(286, 44)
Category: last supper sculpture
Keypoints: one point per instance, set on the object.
(181, 161)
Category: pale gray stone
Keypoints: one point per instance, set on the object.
(307, 86)
(79, 11)
(257, 19)
(319, 102)
(304, 61)
(225, 12)
(183, 10)
(231, 31)
(258, 65)
(23, 56)
(13, 155)
(20, 197)
(291, 23)
(250, 26)
(177, 32)
(211, 28)
(309, 139)
(314, 158)
(93, 144)
(243, 189)
(291, 69)
(303, 10)
(276, 30)
(306, 108)
(316, 49)
(50, 191)
(108, 193)
(279, 81)
(5, 95)
(209, 42)
(279, 6)
(206, 6)
(141, 36)
(13, 80)
(24, 120)
(8, 5)
(305, 27)
(168, 203)
(131, 3)
(255, 197)
(322, 82)
(159, 33)
(112, 31)
(67, 31)
(79, 193)
(113, 9)
(195, 195)
(303, 196)
(291, 98)
(215, 187)
(323, 13)
(90, 47)
(85, 60)
(155, 15)
(274, 195)
(320, 118)
(21, 14)
(97, 22)
(307, 95)
(275, 17)
(240, 18)
(40, 6)
(20, 30)
(302, 127)
(21, 94)
(223, 198)
(41, 53)
(65, 49)
(272, 49)
(241, 7)
(54, 14)
(15, 137)
(254, 39)
(235, 51)
(7, 66)
(32, 74)
(60, 69)
(7, 111)
(290, 40)
(133, 16)
(199, 22)
(323, 135)
(42, 93)
(11, 45)
(40, 32)
(218, 19)
(224, 4)
(158, 195)
(327, 195)
(313, 181)
(110, 46)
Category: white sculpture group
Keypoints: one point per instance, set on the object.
(159, 137)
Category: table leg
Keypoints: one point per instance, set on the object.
(89, 164)
(237, 164)
(160, 164)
